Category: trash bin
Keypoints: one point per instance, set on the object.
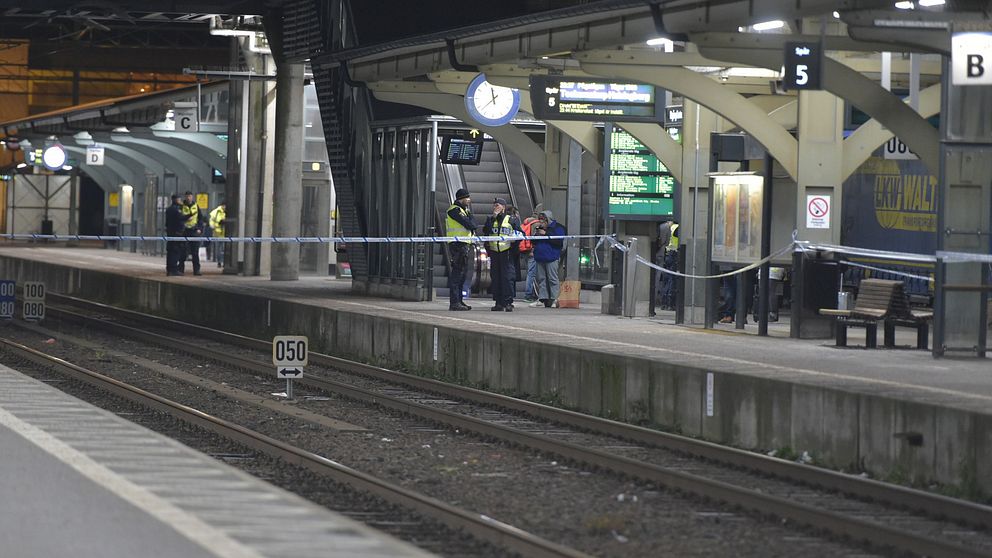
(817, 281)
(46, 226)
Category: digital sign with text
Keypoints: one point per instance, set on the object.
(593, 100)
(639, 186)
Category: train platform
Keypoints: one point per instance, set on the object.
(886, 411)
(80, 481)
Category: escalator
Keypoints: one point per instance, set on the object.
(499, 174)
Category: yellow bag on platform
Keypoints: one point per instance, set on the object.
(568, 296)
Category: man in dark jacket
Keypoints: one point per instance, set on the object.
(546, 255)
(501, 267)
(175, 226)
(459, 224)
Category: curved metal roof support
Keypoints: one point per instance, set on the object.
(767, 51)
(701, 89)
(782, 109)
(127, 173)
(179, 162)
(426, 95)
(859, 146)
(105, 178)
(133, 159)
(121, 171)
(206, 146)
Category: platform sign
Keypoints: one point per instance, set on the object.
(289, 354)
(971, 58)
(186, 120)
(7, 298)
(803, 65)
(94, 155)
(818, 211)
(33, 307)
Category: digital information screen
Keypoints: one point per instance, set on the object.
(639, 186)
(593, 100)
(461, 151)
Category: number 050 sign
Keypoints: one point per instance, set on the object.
(289, 350)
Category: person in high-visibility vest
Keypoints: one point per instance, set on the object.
(459, 223)
(194, 229)
(501, 266)
(218, 218)
(670, 259)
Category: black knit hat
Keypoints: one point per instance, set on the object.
(461, 194)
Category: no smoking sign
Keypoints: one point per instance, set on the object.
(818, 212)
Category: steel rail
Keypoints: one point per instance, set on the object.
(838, 524)
(485, 528)
(933, 505)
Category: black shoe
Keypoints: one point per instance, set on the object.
(197, 273)
(464, 306)
(173, 273)
(547, 302)
(497, 308)
(461, 308)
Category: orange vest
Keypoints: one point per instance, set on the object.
(525, 245)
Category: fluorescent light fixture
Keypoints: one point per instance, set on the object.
(769, 25)
(22, 165)
(911, 24)
(904, 5)
(660, 41)
(66, 167)
(836, 15)
(931, 3)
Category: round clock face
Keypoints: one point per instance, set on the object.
(491, 105)
(53, 157)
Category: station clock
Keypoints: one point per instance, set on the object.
(491, 105)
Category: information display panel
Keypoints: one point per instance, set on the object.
(639, 186)
(737, 203)
(594, 100)
(461, 151)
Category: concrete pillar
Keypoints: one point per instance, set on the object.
(288, 186)
(258, 170)
(821, 155)
(693, 209)
(573, 218)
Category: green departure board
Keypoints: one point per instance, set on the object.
(639, 185)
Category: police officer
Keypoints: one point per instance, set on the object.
(501, 266)
(670, 262)
(459, 223)
(194, 229)
(218, 218)
(175, 225)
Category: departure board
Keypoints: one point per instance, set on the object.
(639, 186)
(461, 151)
(593, 99)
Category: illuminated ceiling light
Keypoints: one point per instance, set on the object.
(904, 5)
(836, 15)
(22, 165)
(769, 25)
(660, 41)
(66, 167)
(931, 3)
(54, 157)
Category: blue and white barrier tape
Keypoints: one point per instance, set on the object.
(296, 239)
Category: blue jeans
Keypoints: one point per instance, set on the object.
(531, 277)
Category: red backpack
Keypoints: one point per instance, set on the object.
(525, 245)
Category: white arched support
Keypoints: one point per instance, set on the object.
(648, 68)
(426, 95)
(859, 146)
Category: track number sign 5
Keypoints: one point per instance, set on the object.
(289, 354)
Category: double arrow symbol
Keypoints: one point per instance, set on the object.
(290, 371)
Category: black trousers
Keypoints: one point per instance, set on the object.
(503, 273)
(175, 253)
(459, 252)
(193, 251)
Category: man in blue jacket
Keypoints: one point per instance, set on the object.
(546, 255)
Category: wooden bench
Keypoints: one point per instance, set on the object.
(881, 300)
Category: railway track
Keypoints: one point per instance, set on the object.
(481, 527)
(883, 515)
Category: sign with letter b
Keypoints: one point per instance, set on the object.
(971, 58)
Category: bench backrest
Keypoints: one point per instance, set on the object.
(883, 295)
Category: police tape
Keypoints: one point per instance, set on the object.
(888, 271)
(297, 239)
(784, 250)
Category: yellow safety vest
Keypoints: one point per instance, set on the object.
(217, 217)
(452, 227)
(673, 241)
(191, 210)
(502, 228)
